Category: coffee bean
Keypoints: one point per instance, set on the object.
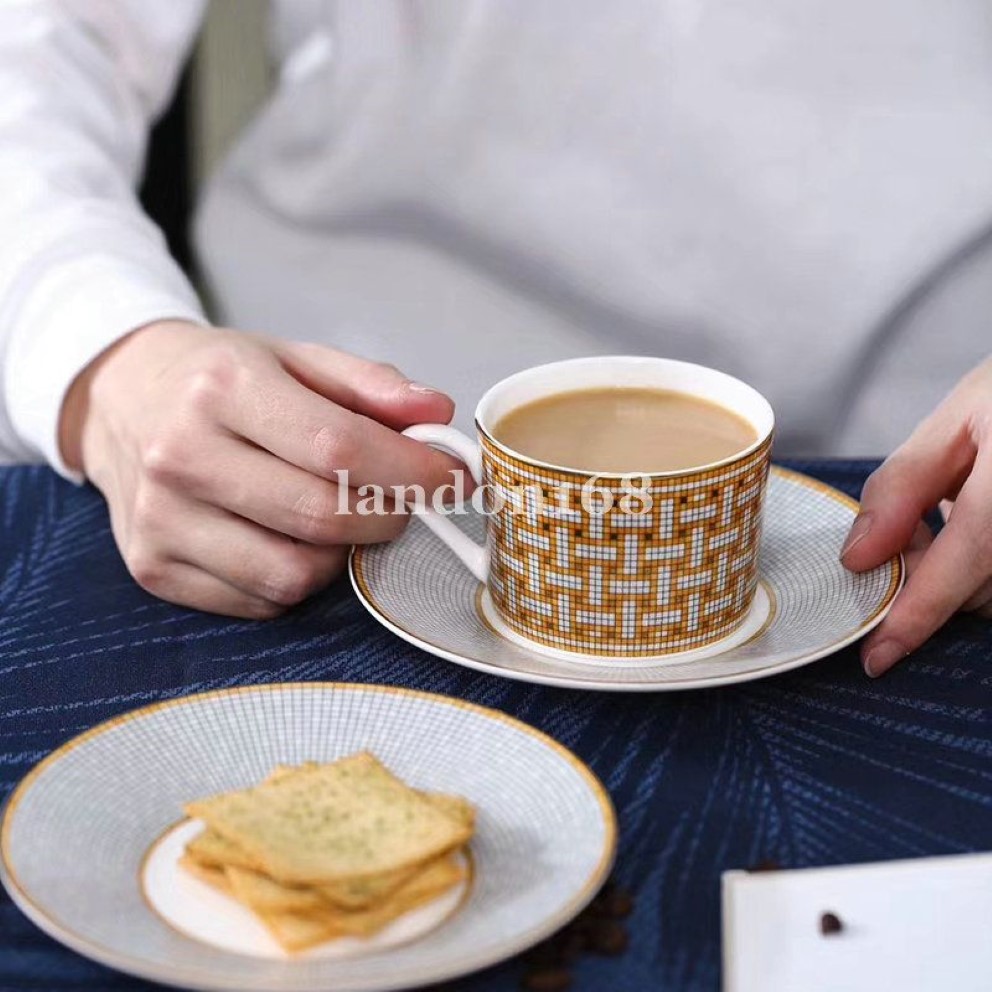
(571, 944)
(600, 905)
(765, 864)
(617, 904)
(609, 938)
(584, 923)
(830, 923)
(547, 954)
(547, 980)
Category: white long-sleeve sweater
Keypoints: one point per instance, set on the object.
(796, 191)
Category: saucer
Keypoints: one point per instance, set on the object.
(808, 605)
(91, 838)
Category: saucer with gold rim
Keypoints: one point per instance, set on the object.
(807, 605)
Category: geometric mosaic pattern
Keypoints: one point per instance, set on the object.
(677, 573)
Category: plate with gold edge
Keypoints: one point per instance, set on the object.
(807, 605)
(91, 839)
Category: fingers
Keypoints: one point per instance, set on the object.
(297, 425)
(373, 389)
(948, 575)
(251, 483)
(186, 585)
(918, 545)
(980, 601)
(259, 563)
(933, 463)
(166, 529)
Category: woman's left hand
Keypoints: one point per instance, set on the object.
(946, 462)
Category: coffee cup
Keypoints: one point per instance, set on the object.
(608, 564)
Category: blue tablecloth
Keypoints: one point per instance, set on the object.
(819, 766)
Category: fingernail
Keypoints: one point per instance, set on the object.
(858, 532)
(419, 387)
(882, 657)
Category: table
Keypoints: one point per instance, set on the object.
(818, 766)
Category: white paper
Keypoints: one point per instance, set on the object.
(909, 926)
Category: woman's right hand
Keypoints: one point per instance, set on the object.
(218, 452)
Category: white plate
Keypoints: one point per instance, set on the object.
(89, 841)
(198, 910)
(809, 605)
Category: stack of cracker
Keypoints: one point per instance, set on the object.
(326, 851)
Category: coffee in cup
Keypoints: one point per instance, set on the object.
(625, 430)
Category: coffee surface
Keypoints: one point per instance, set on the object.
(624, 430)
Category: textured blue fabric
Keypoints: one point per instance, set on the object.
(819, 766)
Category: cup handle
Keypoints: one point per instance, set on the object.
(475, 557)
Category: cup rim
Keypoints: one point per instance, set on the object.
(533, 371)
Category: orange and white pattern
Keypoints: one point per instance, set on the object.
(671, 572)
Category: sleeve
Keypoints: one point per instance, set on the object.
(80, 263)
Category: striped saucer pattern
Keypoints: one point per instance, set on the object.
(76, 829)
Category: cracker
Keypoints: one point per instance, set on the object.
(358, 893)
(296, 931)
(214, 877)
(352, 818)
(264, 894)
(214, 851)
(426, 885)
(458, 809)
(283, 771)
(211, 850)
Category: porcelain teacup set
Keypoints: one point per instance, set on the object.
(698, 576)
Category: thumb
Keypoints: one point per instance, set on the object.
(372, 389)
(932, 463)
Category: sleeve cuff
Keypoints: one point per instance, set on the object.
(75, 312)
